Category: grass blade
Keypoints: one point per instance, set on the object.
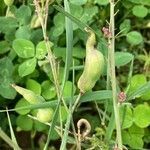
(69, 45)
(98, 96)
(12, 132)
(6, 138)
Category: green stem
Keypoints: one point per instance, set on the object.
(113, 75)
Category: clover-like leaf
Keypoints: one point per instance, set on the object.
(140, 11)
(122, 58)
(24, 122)
(134, 38)
(24, 48)
(41, 49)
(27, 67)
(126, 115)
(125, 26)
(22, 103)
(133, 137)
(33, 86)
(6, 79)
(141, 115)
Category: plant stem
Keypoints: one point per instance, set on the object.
(113, 75)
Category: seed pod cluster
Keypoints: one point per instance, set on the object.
(44, 114)
(94, 63)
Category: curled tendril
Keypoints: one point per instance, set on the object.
(86, 130)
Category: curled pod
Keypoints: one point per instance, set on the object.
(94, 63)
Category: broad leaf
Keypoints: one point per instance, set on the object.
(122, 58)
(27, 67)
(24, 48)
(134, 38)
(141, 115)
(6, 70)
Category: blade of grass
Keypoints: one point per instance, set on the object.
(110, 127)
(99, 96)
(11, 131)
(53, 122)
(71, 17)
(6, 138)
(80, 24)
(69, 45)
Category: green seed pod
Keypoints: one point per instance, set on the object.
(45, 115)
(94, 63)
(8, 2)
(29, 95)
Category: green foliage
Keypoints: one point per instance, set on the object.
(140, 11)
(141, 115)
(24, 61)
(6, 79)
(133, 137)
(123, 58)
(24, 48)
(27, 67)
(24, 123)
(22, 102)
(134, 38)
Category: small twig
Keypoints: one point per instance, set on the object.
(85, 132)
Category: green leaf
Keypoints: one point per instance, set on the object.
(38, 126)
(22, 102)
(59, 20)
(134, 38)
(23, 14)
(78, 2)
(125, 26)
(89, 13)
(24, 48)
(27, 67)
(4, 47)
(78, 52)
(48, 90)
(41, 50)
(24, 122)
(67, 92)
(140, 11)
(137, 81)
(102, 2)
(6, 70)
(126, 116)
(123, 58)
(33, 86)
(141, 115)
(143, 2)
(133, 137)
(8, 24)
(139, 91)
(23, 33)
(57, 30)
